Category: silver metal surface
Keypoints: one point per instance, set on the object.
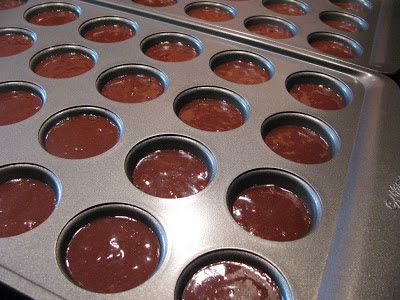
(378, 41)
(351, 251)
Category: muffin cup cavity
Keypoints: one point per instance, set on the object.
(104, 211)
(238, 256)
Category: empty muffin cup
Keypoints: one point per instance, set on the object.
(231, 274)
(355, 6)
(171, 47)
(211, 108)
(111, 248)
(210, 11)
(335, 45)
(52, 14)
(272, 27)
(80, 132)
(15, 40)
(300, 138)
(132, 83)
(170, 166)
(108, 29)
(156, 3)
(318, 90)
(8, 4)
(343, 22)
(28, 196)
(19, 100)
(63, 61)
(242, 67)
(287, 7)
(273, 204)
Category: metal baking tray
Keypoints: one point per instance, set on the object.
(375, 43)
(352, 249)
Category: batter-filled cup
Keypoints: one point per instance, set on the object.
(132, 83)
(28, 196)
(171, 47)
(15, 40)
(299, 138)
(111, 248)
(19, 101)
(108, 29)
(210, 11)
(80, 132)
(211, 109)
(63, 61)
(52, 14)
(170, 167)
(271, 27)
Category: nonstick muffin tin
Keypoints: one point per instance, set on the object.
(351, 249)
(374, 45)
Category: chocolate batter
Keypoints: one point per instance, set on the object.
(132, 88)
(298, 144)
(25, 203)
(170, 174)
(343, 25)
(112, 254)
(13, 43)
(271, 212)
(273, 31)
(334, 48)
(109, 33)
(18, 105)
(284, 8)
(64, 65)
(351, 6)
(171, 52)
(210, 13)
(156, 3)
(317, 95)
(81, 136)
(229, 280)
(211, 115)
(243, 72)
(53, 17)
(7, 4)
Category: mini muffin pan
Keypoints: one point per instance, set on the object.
(351, 248)
(374, 45)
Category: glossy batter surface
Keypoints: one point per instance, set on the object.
(18, 105)
(288, 9)
(81, 136)
(298, 144)
(156, 3)
(210, 13)
(11, 44)
(170, 174)
(25, 203)
(343, 25)
(109, 33)
(271, 212)
(242, 72)
(112, 254)
(229, 280)
(132, 88)
(53, 17)
(171, 52)
(317, 95)
(351, 6)
(64, 65)
(272, 31)
(211, 115)
(334, 48)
